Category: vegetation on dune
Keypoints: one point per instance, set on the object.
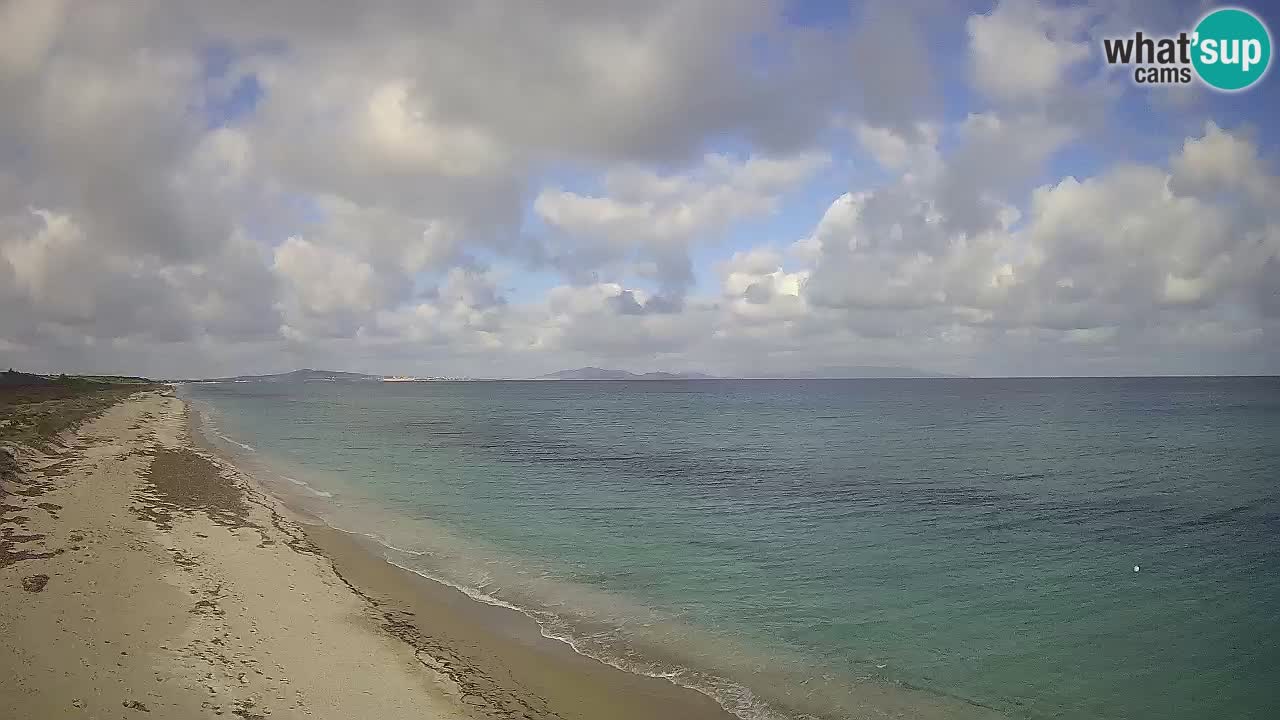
(35, 409)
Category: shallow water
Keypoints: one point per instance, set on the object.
(821, 547)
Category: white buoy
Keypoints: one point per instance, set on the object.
(1135, 568)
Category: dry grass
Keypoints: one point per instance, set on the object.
(34, 415)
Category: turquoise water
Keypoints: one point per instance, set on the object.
(825, 547)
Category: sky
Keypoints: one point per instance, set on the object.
(504, 189)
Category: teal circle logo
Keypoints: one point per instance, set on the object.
(1232, 49)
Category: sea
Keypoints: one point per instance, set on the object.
(1025, 548)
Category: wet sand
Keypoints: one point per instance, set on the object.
(498, 655)
(143, 577)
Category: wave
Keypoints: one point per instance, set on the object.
(205, 413)
(734, 697)
(307, 486)
(205, 422)
(223, 437)
(372, 536)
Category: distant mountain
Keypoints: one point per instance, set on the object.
(852, 372)
(826, 373)
(675, 376)
(303, 375)
(595, 373)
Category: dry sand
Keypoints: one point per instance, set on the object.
(142, 577)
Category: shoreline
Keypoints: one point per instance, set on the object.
(145, 573)
(507, 640)
(473, 642)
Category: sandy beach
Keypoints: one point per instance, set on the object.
(141, 576)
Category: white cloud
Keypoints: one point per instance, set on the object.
(398, 130)
(1023, 50)
(1120, 259)
(323, 282)
(895, 152)
(40, 263)
(381, 200)
(658, 218)
(1222, 162)
(758, 290)
(466, 313)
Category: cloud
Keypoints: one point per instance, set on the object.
(645, 216)
(1127, 249)
(1221, 162)
(1022, 51)
(27, 31)
(996, 157)
(327, 290)
(892, 58)
(898, 152)
(38, 264)
(396, 243)
(585, 320)
(759, 291)
(1138, 255)
(466, 313)
(472, 188)
(66, 287)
